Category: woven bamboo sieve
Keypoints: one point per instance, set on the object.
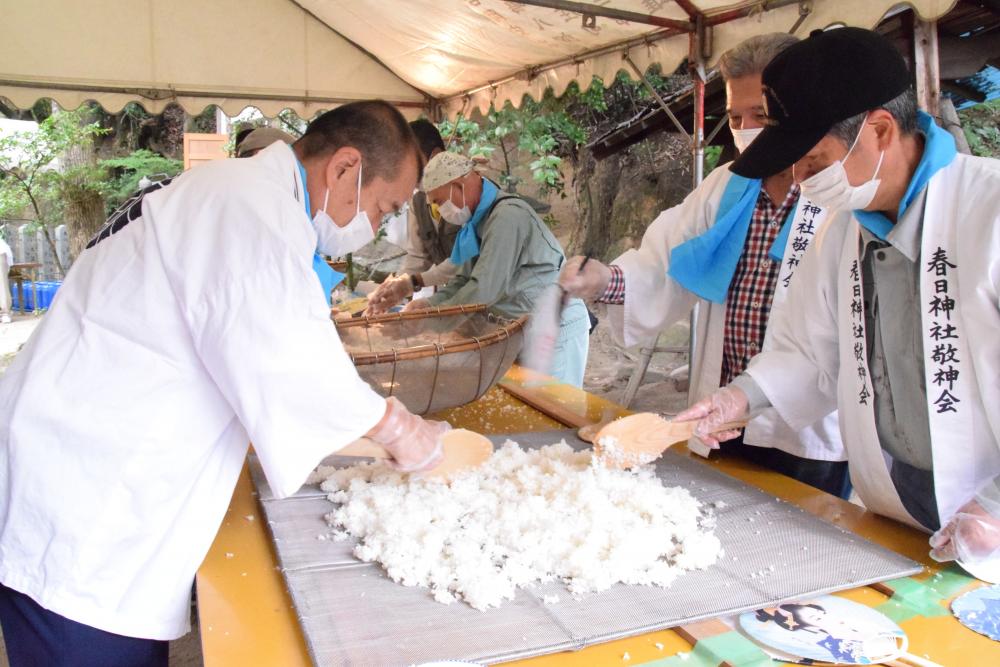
(433, 359)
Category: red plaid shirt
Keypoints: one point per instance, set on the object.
(752, 288)
(750, 292)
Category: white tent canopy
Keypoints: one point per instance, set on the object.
(309, 55)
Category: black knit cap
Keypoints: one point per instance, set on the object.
(816, 83)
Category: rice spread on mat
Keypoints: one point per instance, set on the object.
(524, 517)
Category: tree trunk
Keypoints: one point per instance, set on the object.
(84, 211)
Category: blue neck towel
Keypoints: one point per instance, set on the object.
(939, 151)
(705, 264)
(328, 278)
(467, 241)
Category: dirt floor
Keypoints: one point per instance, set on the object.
(608, 369)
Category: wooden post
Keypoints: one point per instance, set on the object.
(926, 68)
(951, 122)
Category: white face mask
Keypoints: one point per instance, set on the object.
(743, 138)
(453, 214)
(395, 227)
(831, 189)
(336, 241)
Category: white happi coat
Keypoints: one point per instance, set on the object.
(654, 301)
(819, 360)
(198, 326)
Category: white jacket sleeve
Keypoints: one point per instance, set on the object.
(653, 300)
(798, 374)
(262, 328)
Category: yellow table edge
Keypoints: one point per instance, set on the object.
(246, 615)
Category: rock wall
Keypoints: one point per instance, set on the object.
(617, 197)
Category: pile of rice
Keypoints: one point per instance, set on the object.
(524, 517)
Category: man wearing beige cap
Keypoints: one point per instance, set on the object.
(260, 139)
(506, 254)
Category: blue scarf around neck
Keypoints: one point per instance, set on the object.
(939, 151)
(328, 278)
(467, 241)
(705, 264)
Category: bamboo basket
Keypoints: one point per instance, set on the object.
(433, 359)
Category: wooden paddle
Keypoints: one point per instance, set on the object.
(642, 438)
(463, 450)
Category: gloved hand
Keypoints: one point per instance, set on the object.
(337, 315)
(415, 443)
(589, 283)
(725, 405)
(417, 304)
(971, 536)
(391, 292)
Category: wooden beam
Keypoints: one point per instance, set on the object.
(926, 67)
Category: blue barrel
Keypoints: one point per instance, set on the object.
(45, 291)
(45, 296)
(29, 302)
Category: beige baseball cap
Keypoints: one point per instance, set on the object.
(263, 137)
(444, 168)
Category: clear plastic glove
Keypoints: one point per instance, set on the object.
(590, 283)
(971, 536)
(415, 443)
(417, 304)
(392, 291)
(728, 404)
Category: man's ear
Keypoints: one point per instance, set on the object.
(343, 160)
(885, 127)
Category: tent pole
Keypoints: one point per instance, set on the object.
(587, 9)
(698, 135)
(696, 63)
(698, 43)
(656, 96)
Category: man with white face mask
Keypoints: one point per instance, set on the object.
(427, 239)
(193, 324)
(506, 256)
(899, 306)
(733, 246)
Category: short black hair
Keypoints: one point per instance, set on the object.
(374, 127)
(427, 136)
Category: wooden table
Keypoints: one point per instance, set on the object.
(18, 274)
(246, 615)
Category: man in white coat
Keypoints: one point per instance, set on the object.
(898, 306)
(194, 323)
(733, 245)
(6, 260)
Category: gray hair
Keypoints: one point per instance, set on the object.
(903, 109)
(752, 55)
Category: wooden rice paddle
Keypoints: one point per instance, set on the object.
(641, 438)
(463, 450)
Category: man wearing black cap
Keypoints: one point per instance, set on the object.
(732, 248)
(898, 303)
